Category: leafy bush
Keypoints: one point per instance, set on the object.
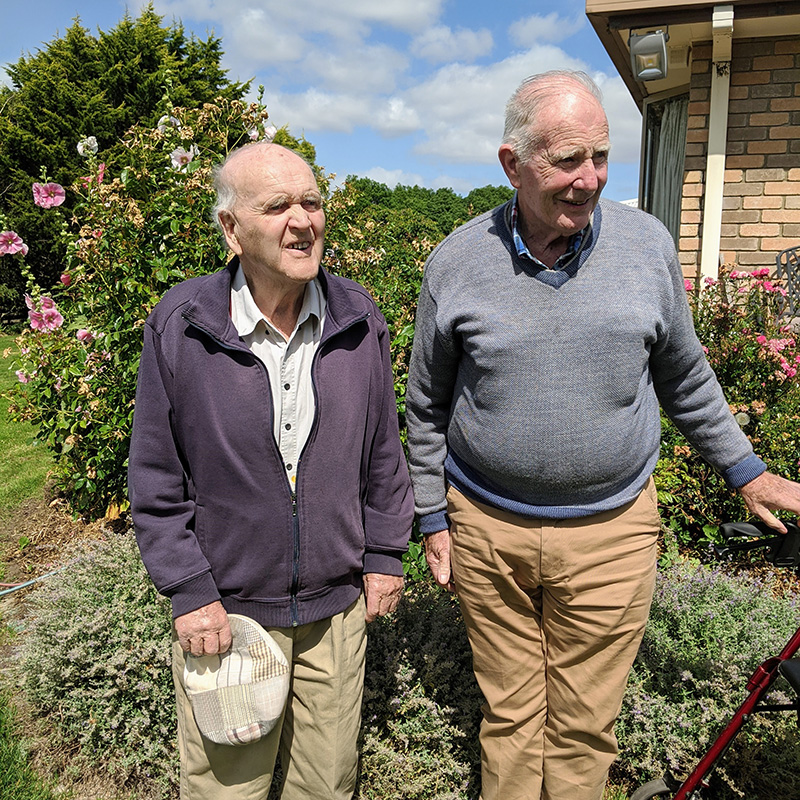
(756, 357)
(95, 662)
(139, 233)
(708, 630)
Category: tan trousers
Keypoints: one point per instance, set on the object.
(555, 612)
(317, 735)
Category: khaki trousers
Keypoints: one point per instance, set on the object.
(555, 611)
(317, 735)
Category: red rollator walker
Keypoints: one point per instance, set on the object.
(782, 551)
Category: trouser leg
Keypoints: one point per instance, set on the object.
(316, 736)
(494, 558)
(555, 614)
(318, 748)
(600, 574)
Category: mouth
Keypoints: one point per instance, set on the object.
(577, 203)
(299, 246)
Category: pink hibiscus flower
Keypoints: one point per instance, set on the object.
(11, 243)
(48, 195)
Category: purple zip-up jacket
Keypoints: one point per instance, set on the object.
(214, 513)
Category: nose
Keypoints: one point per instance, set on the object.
(298, 216)
(589, 176)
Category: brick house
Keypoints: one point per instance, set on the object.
(720, 161)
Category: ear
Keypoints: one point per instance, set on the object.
(510, 164)
(228, 223)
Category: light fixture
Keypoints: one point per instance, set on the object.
(649, 55)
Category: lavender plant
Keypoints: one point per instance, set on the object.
(95, 666)
(708, 630)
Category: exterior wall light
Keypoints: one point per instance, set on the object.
(649, 55)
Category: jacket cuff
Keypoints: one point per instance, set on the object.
(384, 563)
(744, 472)
(433, 523)
(194, 594)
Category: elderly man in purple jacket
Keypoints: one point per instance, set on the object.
(267, 476)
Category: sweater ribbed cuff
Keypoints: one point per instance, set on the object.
(744, 472)
(433, 523)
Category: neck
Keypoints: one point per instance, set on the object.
(279, 302)
(546, 248)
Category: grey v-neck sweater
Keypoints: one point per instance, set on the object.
(537, 391)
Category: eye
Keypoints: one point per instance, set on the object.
(601, 157)
(312, 203)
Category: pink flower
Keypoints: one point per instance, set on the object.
(48, 195)
(52, 318)
(29, 302)
(101, 171)
(66, 279)
(763, 272)
(735, 274)
(11, 243)
(37, 321)
(688, 285)
(48, 303)
(84, 335)
(22, 376)
(710, 281)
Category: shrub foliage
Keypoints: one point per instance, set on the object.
(756, 357)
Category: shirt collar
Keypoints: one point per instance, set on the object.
(246, 314)
(573, 244)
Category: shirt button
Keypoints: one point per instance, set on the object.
(289, 467)
(286, 386)
(288, 426)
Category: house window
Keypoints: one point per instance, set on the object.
(662, 159)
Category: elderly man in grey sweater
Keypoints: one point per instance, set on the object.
(548, 331)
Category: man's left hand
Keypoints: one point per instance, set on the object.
(382, 593)
(769, 492)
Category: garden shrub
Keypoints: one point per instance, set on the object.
(708, 630)
(95, 663)
(139, 232)
(756, 357)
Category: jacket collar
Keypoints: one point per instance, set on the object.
(209, 308)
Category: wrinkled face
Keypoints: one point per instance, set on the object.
(560, 185)
(277, 224)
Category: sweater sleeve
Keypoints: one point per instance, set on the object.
(429, 395)
(161, 504)
(691, 396)
(389, 507)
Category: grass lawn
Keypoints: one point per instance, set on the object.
(25, 464)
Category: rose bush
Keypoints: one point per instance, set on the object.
(756, 356)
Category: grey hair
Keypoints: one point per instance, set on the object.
(224, 189)
(524, 107)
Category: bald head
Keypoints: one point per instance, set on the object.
(230, 176)
(524, 129)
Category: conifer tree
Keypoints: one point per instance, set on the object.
(83, 85)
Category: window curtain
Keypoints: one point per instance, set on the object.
(667, 166)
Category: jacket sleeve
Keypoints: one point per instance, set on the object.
(162, 506)
(429, 397)
(389, 503)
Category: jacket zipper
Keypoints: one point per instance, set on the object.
(295, 518)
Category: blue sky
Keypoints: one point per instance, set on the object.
(402, 91)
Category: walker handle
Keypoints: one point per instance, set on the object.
(784, 549)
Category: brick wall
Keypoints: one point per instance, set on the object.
(761, 205)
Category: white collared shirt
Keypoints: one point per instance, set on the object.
(288, 363)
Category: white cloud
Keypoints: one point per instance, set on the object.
(314, 110)
(440, 44)
(552, 28)
(369, 69)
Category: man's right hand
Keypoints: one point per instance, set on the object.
(204, 631)
(437, 554)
